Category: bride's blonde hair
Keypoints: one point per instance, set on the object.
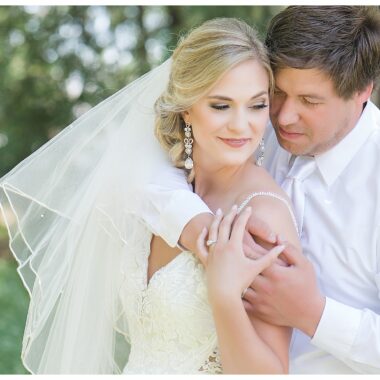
(199, 61)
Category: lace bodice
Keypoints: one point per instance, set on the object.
(169, 320)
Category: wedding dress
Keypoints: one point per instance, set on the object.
(170, 322)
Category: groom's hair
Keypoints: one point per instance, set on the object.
(341, 41)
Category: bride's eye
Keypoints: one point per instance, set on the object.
(220, 106)
(259, 106)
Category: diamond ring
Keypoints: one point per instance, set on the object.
(209, 243)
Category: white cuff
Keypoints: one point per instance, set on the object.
(337, 328)
(182, 207)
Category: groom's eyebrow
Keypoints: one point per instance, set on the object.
(221, 97)
(306, 95)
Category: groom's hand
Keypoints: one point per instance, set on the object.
(259, 239)
(257, 231)
(287, 295)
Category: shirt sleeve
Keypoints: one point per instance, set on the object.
(169, 204)
(351, 335)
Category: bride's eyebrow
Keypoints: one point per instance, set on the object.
(221, 97)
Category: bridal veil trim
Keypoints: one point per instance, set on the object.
(69, 212)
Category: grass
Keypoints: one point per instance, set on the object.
(14, 301)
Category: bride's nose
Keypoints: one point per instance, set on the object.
(239, 121)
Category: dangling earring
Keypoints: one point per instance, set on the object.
(188, 147)
(260, 157)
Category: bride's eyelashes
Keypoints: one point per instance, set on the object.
(259, 106)
(222, 107)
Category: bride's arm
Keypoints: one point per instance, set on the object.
(246, 346)
(251, 347)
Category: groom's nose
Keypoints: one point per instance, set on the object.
(285, 111)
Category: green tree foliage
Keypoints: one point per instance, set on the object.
(13, 308)
(58, 61)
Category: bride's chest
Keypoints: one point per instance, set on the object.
(176, 296)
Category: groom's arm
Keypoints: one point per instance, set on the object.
(352, 335)
(290, 296)
(171, 209)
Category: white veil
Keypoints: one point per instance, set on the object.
(67, 208)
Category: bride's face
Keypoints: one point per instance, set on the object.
(228, 122)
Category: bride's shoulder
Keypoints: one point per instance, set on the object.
(269, 203)
(258, 180)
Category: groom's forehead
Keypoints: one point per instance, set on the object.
(303, 80)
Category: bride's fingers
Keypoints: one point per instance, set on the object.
(202, 252)
(214, 228)
(268, 259)
(238, 229)
(226, 225)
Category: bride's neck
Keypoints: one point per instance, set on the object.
(211, 182)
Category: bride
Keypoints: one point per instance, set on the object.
(102, 282)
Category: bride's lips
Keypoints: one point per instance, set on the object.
(289, 135)
(235, 143)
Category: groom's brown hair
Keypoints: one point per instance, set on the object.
(341, 41)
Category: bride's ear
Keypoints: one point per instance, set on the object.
(186, 116)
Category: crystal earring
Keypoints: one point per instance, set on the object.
(188, 147)
(260, 157)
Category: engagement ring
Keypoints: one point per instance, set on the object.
(209, 243)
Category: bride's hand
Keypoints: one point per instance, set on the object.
(229, 271)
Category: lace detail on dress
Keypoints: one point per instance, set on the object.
(273, 195)
(170, 320)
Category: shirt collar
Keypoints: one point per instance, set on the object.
(332, 163)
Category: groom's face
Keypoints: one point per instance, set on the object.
(308, 116)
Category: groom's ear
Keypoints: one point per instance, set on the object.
(365, 94)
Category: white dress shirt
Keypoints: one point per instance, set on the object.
(341, 237)
(168, 203)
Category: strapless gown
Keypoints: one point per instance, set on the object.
(170, 322)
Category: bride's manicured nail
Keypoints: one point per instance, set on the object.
(277, 250)
(234, 207)
(218, 212)
(272, 237)
(248, 209)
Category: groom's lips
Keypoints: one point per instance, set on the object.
(289, 135)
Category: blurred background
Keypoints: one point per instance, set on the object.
(56, 62)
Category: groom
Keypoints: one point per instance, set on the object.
(325, 62)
